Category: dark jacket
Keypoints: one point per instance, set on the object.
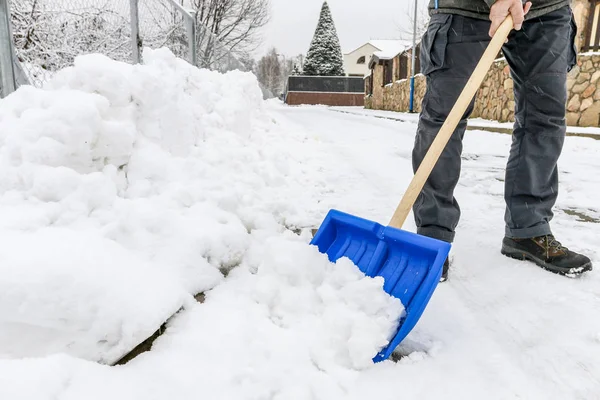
(481, 8)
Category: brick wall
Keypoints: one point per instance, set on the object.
(330, 99)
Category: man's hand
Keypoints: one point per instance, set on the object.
(502, 8)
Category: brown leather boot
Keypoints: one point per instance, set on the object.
(548, 253)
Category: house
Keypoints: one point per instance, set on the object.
(393, 66)
(356, 62)
(387, 86)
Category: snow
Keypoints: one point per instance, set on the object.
(271, 330)
(499, 328)
(66, 291)
(125, 190)
(383, 55)
(475, 123)
(391, 47)
(110, 159)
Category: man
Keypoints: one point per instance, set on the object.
(540, 51)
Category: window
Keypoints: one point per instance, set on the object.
(361, 60)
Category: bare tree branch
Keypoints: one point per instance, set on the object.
(406, 29)
(234, 24)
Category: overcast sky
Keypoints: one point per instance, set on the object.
(293, 22)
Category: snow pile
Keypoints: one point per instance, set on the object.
(123, 190)
(298, 327)
(77, 292)
(319, 306)
(286, 324)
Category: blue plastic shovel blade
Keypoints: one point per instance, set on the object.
(410, 264)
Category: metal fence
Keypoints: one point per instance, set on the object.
(49, 34)
(165, 23)
(7, 70)
(40, 37)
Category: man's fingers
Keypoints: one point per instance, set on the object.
(502, 8)
(517, 12)
(496, 22)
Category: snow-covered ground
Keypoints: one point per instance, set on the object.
(125, 190)
(474, 123)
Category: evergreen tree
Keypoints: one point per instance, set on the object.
(325, 54)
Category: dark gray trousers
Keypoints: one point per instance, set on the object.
(539, 55)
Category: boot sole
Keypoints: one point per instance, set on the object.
(524, 256)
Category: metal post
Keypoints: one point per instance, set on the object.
(191, 23)
(192, 40)
(7, 69)
(135, 31)
(414, 63)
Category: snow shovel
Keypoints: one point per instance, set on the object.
(410, 264)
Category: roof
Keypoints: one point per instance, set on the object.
(387, 47)
(390, 48)
(391, 52)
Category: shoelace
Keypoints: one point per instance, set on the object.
(552, 242)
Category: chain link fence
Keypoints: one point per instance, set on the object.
(165, 23)
(47, 35)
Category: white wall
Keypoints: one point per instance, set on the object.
(350, 65)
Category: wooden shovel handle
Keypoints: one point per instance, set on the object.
(445, 133)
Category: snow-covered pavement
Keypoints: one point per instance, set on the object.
(126, 190)
(473, 123)
(499, 328)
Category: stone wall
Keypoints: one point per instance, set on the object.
(495, 98)
(583, 107)
(395, 96)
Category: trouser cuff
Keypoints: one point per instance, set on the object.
(436, 233)
(526, 233)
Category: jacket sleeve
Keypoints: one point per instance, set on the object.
(490, 2)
